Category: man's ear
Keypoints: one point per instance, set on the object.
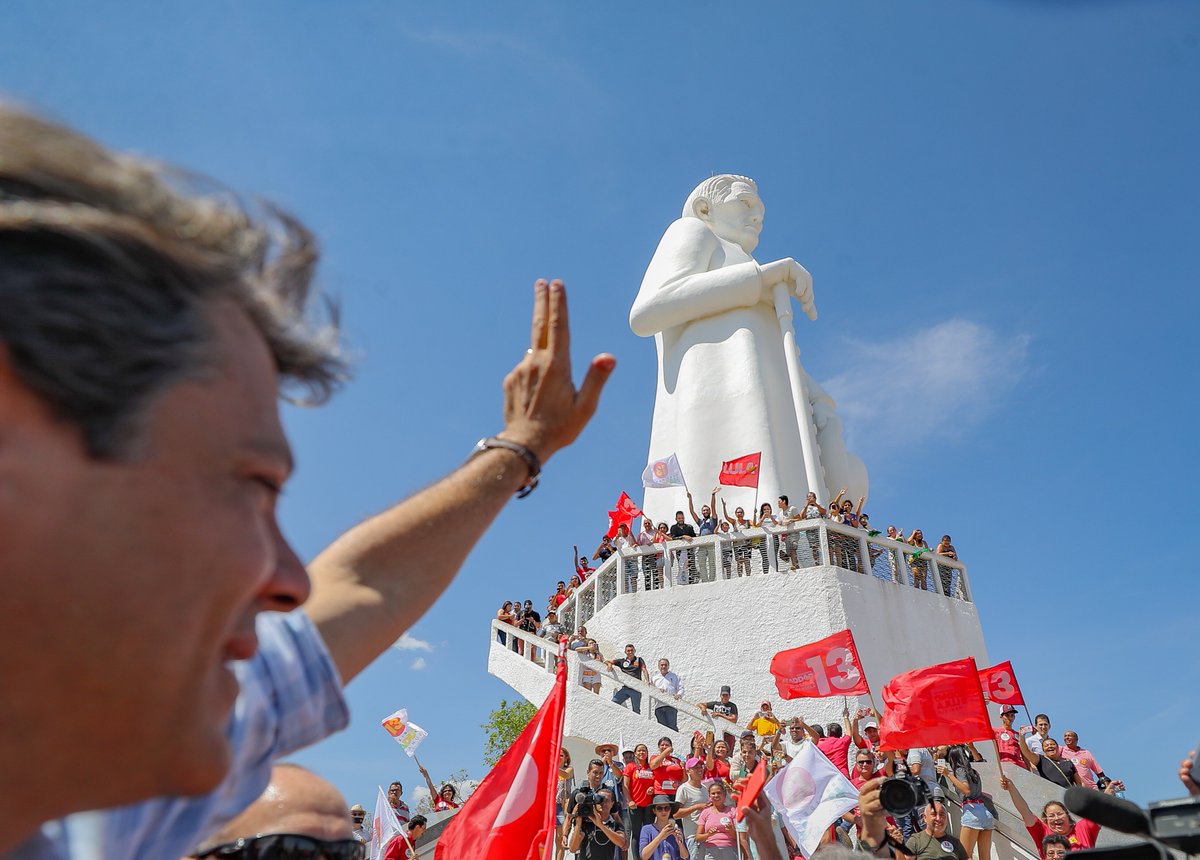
(701, 208)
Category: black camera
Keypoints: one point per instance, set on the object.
(586, 801)
(900, 795)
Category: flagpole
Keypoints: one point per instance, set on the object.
(808, 436)
(874, 707)
(999, 766)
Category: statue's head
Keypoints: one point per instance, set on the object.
(730, 206)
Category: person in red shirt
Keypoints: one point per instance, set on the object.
(716, 761)
(403, 845)
(1008, 739)
(836, 746)
(667, 767)
(582, 567)
(639, 788)
(866, 767)
(443, 799)
(1055, 819)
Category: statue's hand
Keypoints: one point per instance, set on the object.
(542, 408)
(802, 288)
(799, 282)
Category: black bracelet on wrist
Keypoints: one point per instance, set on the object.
(530, 458)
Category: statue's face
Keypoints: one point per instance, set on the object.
(739, 219)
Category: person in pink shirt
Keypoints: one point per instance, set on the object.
(715, 826)
(1085, 763)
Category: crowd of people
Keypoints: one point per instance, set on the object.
(652, 801)
(744, 552)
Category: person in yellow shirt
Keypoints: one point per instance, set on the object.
(764, 723)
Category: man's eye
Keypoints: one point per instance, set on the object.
(271, 484)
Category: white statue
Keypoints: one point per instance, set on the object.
(729, 378)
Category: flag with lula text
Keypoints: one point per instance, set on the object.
(405, 732)
(827, 667)
(999, 684)
(384, 827)
(741, 471)
(622, 514)
(664, 473)
(809, 794)
(933, 705)
(511, 813)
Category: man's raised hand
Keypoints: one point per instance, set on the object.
(542, 408)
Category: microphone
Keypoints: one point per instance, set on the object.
(1136, 851)
(1114, 812)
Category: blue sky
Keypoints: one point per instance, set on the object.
(996, 199)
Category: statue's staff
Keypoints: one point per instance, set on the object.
(791, 353)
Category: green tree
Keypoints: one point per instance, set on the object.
(503, 726)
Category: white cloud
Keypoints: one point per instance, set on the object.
(418, 664)
(471, 42)
(408, 642)
(933, 382)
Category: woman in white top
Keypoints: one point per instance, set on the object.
(765, 518)
(741, 546)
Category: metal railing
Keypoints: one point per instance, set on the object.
(758, 552)
(689, 717)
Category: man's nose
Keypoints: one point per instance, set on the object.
(289, 585)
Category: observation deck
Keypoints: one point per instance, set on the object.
(722, 614)
(685, 600)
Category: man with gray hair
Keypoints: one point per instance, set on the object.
(146, 333)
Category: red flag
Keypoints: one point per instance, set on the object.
(511, 813)
(741, 472)
(940, 704)
(754, 786)
(829, 667)
(623, 514)
(999, 684)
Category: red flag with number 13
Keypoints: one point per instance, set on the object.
(999, 684)
(828, 667)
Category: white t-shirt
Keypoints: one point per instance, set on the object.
(790, 747)
(1035, 743)
(686, 795)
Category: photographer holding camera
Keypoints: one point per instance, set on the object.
(596, 834)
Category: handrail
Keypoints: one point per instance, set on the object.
(614, 679)
(833, 545)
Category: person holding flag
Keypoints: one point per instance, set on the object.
(1007, 739)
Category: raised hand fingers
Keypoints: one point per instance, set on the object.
(559, 330)
(541, 314)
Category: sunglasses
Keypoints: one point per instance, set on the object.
(288, 846)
